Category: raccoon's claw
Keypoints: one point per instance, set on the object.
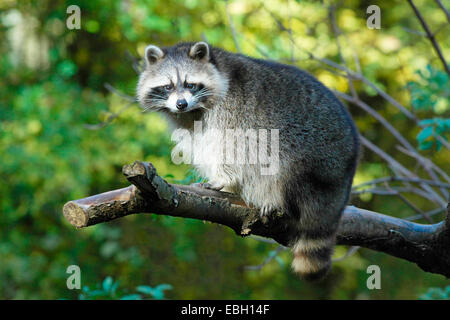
(209, 186)
(266, 210)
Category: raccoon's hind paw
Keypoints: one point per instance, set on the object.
(208, 185)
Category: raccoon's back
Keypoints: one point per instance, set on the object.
(265, 94)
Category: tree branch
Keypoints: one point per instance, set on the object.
(426, 245)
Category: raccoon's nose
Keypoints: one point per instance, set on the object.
(182, 104)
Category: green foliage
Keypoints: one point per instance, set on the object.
(433, 127)
(431, 93)
(436, 294)
(432, 89)
(110, 290)
(156, 293)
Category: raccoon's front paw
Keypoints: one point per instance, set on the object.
(266, 210)
(208, 185)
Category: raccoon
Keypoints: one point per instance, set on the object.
(318, 141)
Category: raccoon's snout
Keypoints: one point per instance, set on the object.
(181, 104)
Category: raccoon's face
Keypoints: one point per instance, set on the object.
(180, 79)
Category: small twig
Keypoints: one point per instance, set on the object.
(127, 97)
(419, 33)
(261, 239)
(447, 14)
(290, 32)
(269, 258)
(397, 166)
(349, 253)
(411, 205)
(337, 33)
(428, 213)
(261, 51)
(430, 35)
(427, 163)
(401, 179)
(393, 191)
(135, 62)
(232, 28)
(204, 37)
(377, 116)
(131, 100)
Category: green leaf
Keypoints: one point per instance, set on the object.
(426, 145)
(145, 290)
(425, 134)
(114, 287)
(97, 293)
(107, 283)
(436, 294)
(279, 260)
(272, 253)
(438, 145)
(67, 68)
(157, 292)
(164, 286)
(134, 296)
(427, 122)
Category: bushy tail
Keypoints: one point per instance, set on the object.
(315, 204)
(312, 258)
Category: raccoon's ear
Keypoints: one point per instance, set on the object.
(200, 51)
(153, 54)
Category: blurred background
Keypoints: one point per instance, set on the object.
(68, 124)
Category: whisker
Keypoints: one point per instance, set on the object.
(203, 95)
(152, 108)
(156, 96)
(155, 101)
(204, 92)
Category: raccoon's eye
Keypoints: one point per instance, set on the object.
(190, 86)
(168, 87)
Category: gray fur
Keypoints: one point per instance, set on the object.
(318, 141)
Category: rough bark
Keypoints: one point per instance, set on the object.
(426, 245)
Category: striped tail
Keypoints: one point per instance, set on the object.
(312, 258)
